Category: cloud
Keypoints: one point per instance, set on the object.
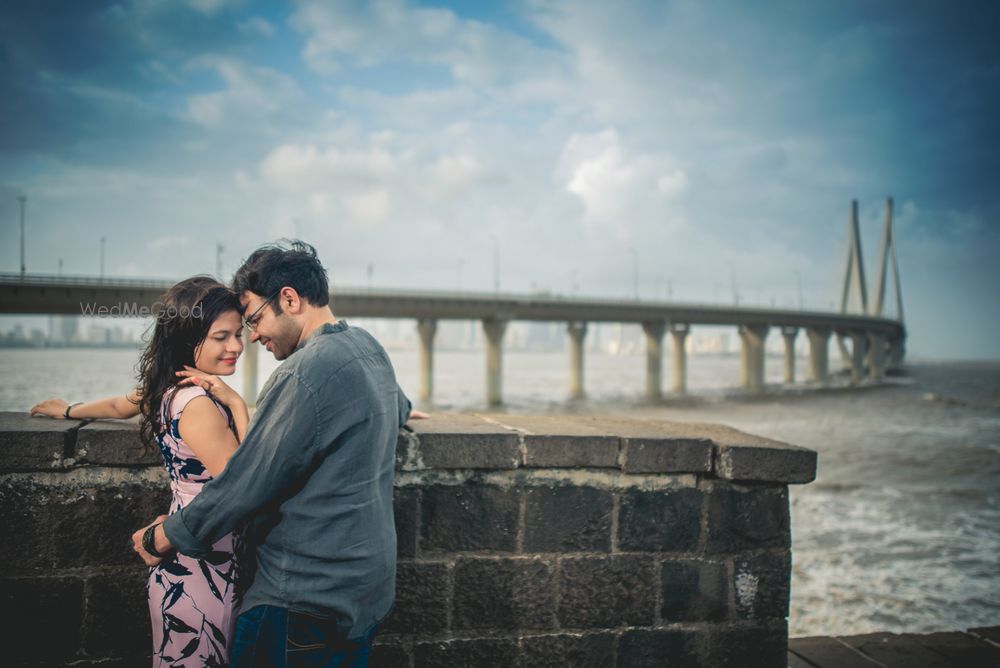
(251, 95)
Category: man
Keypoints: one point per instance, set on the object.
(314, 476)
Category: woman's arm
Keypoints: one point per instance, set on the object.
(226, 395)
(120, 407)
(207, 432)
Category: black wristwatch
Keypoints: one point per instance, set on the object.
(66, 412)
(149, 541)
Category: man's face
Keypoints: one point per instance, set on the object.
(277, 332)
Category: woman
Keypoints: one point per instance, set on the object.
(196, 421)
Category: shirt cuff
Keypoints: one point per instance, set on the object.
(182, 539)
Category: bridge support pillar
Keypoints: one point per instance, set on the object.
(494, 329)
(250, 374)
(897, 350)
(654, 358)
(577, 331)
(678, 335)
(752, 367)
(876, 356)
(859, 351)
(819, 354)
(426, 328)
(789, 334)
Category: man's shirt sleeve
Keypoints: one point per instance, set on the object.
(280, 447)
(404, 405)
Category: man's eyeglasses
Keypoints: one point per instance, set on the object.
(250, 322)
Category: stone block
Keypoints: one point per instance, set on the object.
(652, 648)
(422, 593)
(468, 518)
(503, 593)
(606, 592)
(406, 508)
(466, 442)
(740, 456)
(468, 652)
(114, 443)
(580, 650)
(694, 590)
(660, 521)
(567, 519)
(742, 519)
(116, 616)
(655, 446)
(739, 647)
(24, 513)
(94, 523)
(43, 619)
(389, 655)
(34, 443)
(563, 442)
(762, 585)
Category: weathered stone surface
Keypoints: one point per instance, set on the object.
(562, 442)
(34, 443)
(962, 649)
(472, 652)
(761, 584)
(739, 647)
(463, 518)
(406, 507)
(694, 590)
(652, 648)
(581, 650)
(422, 593)
(889, 649)
(389, 655)
(502, 593)
(654, 446)
(35, 608)
(745, 519)
(825, 651)
(741, 456)
(465, 442)
(606, 592)
(116, 615)
(24, 514)
(114, 443)
(95, 524)
(663, 521)
(567, 519)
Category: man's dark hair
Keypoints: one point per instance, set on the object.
(272, 267)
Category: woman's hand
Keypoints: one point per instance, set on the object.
(419, 415)
(211, 384)
(149, 559)
(53, 408)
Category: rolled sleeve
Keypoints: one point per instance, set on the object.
(404, 405)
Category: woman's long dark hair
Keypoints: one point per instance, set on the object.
(184, 315)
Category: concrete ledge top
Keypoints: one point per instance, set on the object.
(467, 441)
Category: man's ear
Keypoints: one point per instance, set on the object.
(290, 301)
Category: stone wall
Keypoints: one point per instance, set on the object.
(523, 541)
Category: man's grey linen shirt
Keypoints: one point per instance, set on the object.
(314, 479)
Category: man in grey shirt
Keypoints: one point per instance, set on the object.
(313, 476)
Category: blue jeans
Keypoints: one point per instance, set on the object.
(273, 637)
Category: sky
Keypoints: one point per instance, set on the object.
(574, 146)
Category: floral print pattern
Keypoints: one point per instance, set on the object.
(193, 602)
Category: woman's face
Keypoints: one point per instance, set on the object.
(222, 346)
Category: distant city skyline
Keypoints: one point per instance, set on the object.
(667, 148)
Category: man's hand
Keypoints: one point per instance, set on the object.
(161, 542)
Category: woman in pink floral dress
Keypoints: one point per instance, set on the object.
(196, 421)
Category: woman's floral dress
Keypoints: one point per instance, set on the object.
(192, 602)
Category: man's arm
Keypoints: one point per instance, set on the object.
(280, 446)
(404, 405)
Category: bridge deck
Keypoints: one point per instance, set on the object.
(975, 648)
